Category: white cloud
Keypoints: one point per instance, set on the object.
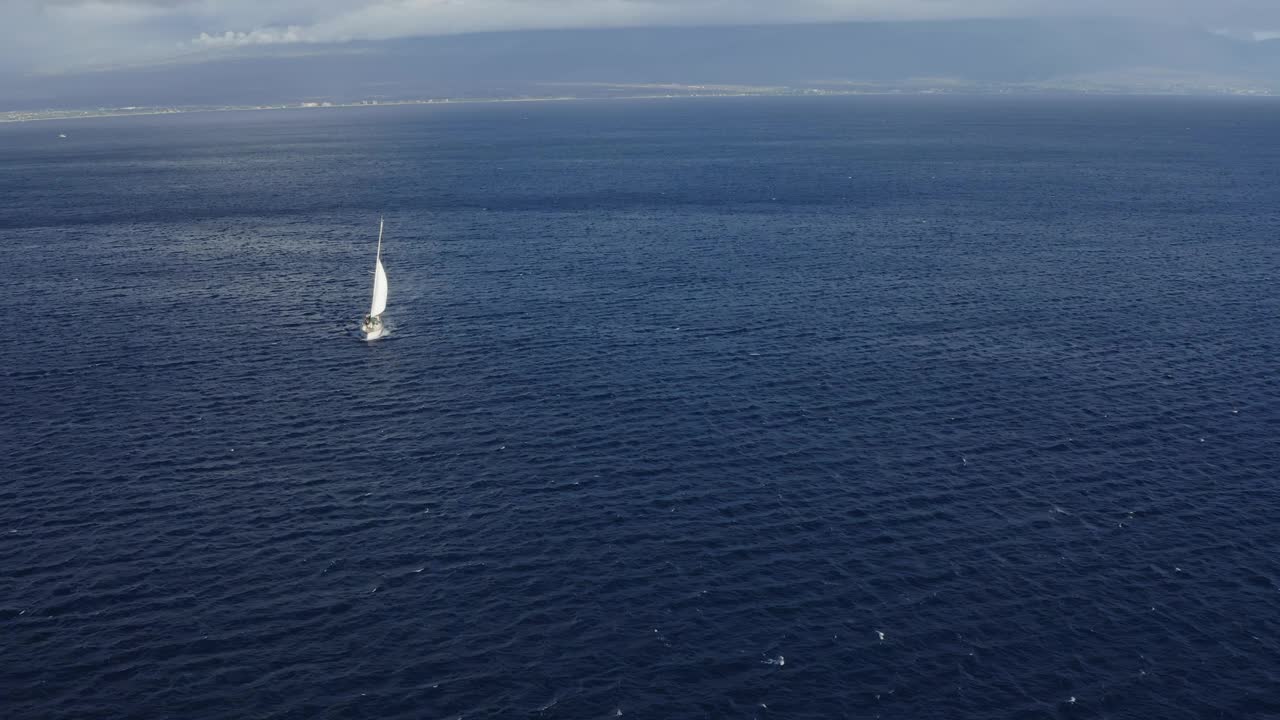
(52, 32)
(268, 36)
(383, 19)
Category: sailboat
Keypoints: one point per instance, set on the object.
(372, 326)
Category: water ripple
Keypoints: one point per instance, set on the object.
(938, 433)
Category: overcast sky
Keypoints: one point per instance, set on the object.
(63, 34)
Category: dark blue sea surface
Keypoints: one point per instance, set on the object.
(730, 408)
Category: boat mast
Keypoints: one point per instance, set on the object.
(379, 256)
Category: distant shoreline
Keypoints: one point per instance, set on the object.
(46, 115)
(26, 116)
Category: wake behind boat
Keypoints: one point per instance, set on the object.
(372, 326)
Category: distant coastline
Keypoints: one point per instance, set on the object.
(606, 91)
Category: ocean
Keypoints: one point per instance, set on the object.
(870, 407)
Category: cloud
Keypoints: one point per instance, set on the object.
(36, 33)
(384, 19)
(402, 18)
(269, 36)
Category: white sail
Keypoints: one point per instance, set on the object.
(379, 290)
(379, 281)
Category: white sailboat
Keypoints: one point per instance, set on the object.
(372, 326)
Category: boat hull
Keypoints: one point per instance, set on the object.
(373, 334)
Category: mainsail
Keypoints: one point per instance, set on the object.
(379, 280)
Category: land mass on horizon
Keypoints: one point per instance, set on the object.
(622, 91)
(971, 56)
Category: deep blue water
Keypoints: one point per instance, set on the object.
(684, 403)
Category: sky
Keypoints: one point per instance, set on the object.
(55, 35)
